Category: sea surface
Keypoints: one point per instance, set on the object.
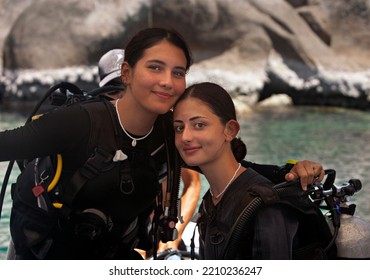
(337, 138)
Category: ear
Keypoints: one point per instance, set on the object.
(231, 130)
(125, 73)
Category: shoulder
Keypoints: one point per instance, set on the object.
(95, 104)
(63, 116)
(99, 110)
(252, 184)
(253, 178)
(77, 119)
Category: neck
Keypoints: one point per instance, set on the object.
(219, 176)
(135, 119)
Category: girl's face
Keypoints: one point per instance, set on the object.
(158, 78)
(200, 136)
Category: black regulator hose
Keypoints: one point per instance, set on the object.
(63, 85)
(170, 215)
(165, 216)
(5, 183)
(335, 221)
(241, 226)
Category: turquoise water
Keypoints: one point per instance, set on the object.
(7, 121)
(338, 138)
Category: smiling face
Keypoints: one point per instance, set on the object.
(158, 78)
(200, 136)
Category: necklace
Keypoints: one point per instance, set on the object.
(134, 140)
(228, 184)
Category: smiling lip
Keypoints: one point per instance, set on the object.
(190, 150)
(162, 95)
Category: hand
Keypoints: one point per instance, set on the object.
(307, 171)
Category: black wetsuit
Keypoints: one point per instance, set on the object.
(70, 132)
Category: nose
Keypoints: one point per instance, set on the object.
(186, 135)
(166, 80)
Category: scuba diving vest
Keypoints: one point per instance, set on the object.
(226, 230)
(39, 205)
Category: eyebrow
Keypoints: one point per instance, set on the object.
(191, 119)
(161, 62)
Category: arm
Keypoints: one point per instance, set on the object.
(307, 171)
(189, 200)
(52, 133)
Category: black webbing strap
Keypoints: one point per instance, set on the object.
(98, 161)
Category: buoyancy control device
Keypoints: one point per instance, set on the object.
(46, 192)
(350, 234)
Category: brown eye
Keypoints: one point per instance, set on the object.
(179, 74)
(199, 125)
(154, 67)
(178, 129)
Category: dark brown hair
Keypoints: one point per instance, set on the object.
(221, 104)
(147, 38)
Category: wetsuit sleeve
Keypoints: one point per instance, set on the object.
(56, 132)
(274, 173)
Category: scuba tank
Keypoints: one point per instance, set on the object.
(353, 240)
(352, 233)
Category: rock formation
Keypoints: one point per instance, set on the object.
(316, 51)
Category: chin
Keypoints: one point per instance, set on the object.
(191, 163)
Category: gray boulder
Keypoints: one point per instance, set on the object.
(54, 34)
(314, 51)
